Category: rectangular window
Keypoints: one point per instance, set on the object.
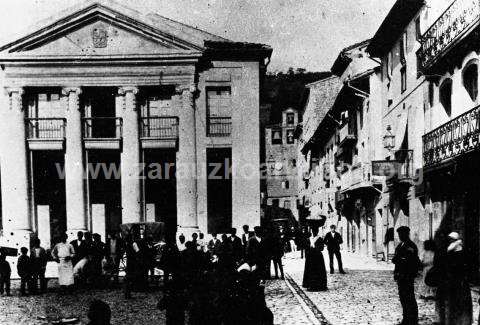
(276, 136)
(403, 76)
(290, 118)
(290, 137)
(219, 111)
(286, 204)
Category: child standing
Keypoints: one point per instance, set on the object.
(24, 270)
(5, 272)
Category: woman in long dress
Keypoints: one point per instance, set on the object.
(315, 274)
(63, 253)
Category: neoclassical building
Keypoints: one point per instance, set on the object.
(111, 116)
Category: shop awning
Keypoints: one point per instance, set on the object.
(360, 187)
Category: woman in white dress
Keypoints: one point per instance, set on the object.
(63, 253)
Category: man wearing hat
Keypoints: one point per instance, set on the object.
(407, 265)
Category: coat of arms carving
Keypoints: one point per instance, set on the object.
(99, 37)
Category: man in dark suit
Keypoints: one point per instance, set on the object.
(407, 265)
(78, 247)
(237, 247)
(333, 240)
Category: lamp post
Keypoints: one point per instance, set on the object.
(389, 139)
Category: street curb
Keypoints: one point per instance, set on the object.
(313, 313)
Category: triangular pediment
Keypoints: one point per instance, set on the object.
(100, 30)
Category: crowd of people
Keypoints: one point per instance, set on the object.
(223, 276)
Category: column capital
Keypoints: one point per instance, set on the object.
(11, 90)
(126, 89)
(188, 88)
(67, 90)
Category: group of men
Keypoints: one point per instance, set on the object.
(221, 275)
(95, 261)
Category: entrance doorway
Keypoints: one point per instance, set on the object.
(104, 191)
(160, 187)
(48, 176)
(219, 190)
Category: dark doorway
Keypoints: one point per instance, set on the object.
(161, 187)
(49, 188)
(219, 189)
(105, 186)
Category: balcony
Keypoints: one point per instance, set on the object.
(45, 133)
(359, 176)
(102, 132)
(346, 135)
(159, 132)
(453, 139)
(453, 25)
(219, 126)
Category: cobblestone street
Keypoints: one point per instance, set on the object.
(367, 294)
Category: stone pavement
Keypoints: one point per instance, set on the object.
(284, 304)
(367, 294)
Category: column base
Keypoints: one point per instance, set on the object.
(17, 239)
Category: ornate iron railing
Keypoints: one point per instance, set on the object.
(219, 126)
(455, 21)
(453, 138)
(102, 127)
(159, 127)
(45, 128)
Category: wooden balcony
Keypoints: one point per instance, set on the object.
(452, 139)
(358, 177)
(102, 133)
(219, 126)
(457, 22)
(346, 135)
(45, 133)
(159, 132)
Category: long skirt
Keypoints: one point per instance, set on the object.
(65, 273)
(315, 274)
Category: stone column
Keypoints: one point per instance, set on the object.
(15, 177)
(186, 164)
(130, 158)
(75, 189)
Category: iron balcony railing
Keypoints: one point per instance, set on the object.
(452, 139)
(219, 126)
(455, 22)
(45, 128)
(102, 127)
(159, 127)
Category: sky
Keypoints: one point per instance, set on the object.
(303, 33)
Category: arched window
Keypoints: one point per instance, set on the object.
(446, 96)
(470, 80)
